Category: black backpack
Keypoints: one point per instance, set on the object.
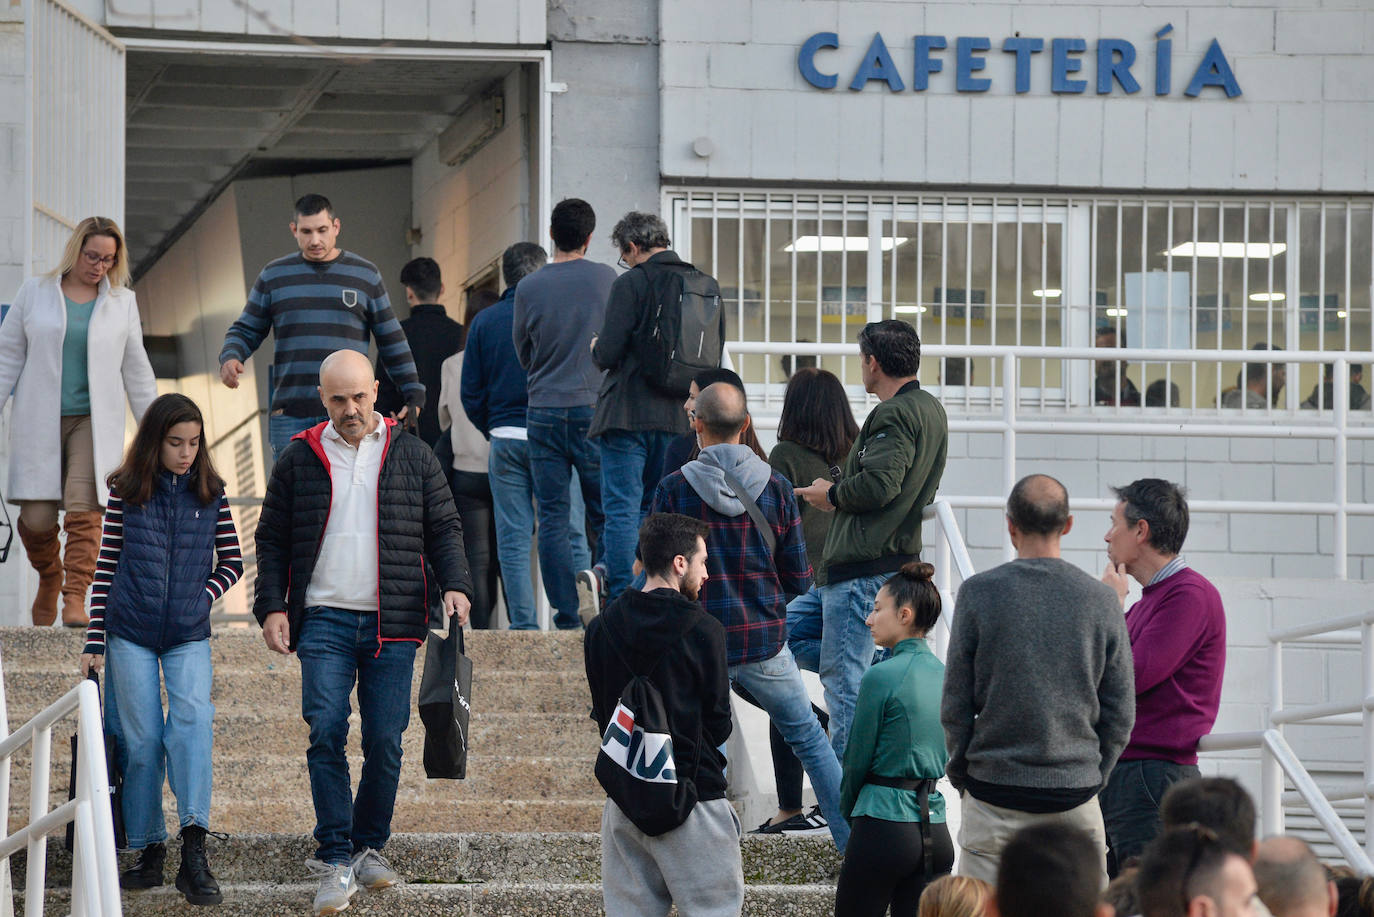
(636, 765)
(681, 333)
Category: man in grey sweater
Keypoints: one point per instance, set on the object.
(1039, 695)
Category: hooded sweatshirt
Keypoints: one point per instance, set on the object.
(747, 588)
(670, 638)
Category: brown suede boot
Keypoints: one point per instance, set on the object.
(83, 544)
(43, 551)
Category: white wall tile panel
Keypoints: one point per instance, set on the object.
(1167, 141)
(1123, 147)
(495, 22)
(1344, 163)
(276, 17)
(1212, 147)
(1319, 32)
(707, 20)
(1080, 142)
(1279, 78)
(1245, 31)
(790, 21)
(773, 119)
(947, 139)
(405, 20)
(902, 140)
(818, 142)
(858, 157)
(761, 67)
(1349, 78)
(991, 156)
(688, 62)
(1300, 153)
(1035, 138)
(450, 20)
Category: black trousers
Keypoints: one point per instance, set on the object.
(787, 767)
(884, 867)
(472, 495)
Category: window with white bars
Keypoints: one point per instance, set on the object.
(1159, 273)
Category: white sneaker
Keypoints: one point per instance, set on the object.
(337, 885)
(371, 870)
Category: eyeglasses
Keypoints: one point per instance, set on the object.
(1204, 840)
(93, 259)
(621, 262)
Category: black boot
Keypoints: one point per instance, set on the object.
(147, 869)
(194, 879)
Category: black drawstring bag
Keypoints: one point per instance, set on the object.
(115, 776)
(445, 695)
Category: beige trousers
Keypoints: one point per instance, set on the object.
(78, 478)
(985, 829)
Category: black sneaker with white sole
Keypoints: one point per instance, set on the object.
(806, 824)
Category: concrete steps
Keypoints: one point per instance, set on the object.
(518, 837)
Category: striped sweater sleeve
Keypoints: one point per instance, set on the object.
(228, 556)
(111, 544)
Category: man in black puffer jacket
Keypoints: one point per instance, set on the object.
(358, 537)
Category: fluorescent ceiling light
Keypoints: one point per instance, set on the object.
(1116, 313)
(1229, 249)
(1267, 297)
(1048, 294)
(1340, 315)
(917, 310)
(841, 243)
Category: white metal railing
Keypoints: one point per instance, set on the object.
(1007, 419)
(95, 872)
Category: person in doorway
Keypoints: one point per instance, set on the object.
(1112, 386)
(662, 630)
(1178, 643)
(895, 754)
(889, 477)
(1033, 744)
(432, 336)
(469, 478)
(553, 308)
(168, 551)
(71, 353)
(356, 515)
(316, 301)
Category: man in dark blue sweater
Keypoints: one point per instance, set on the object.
(316, 301)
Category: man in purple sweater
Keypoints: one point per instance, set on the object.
(1178, 642)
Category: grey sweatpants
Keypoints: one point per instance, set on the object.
(695, 866)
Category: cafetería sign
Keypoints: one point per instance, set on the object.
(1113, 58)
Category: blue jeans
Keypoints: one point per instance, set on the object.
(337, 647)
(804, 626)
(631, 463)
(281, 427)
(846, 649)
(1130, 804)
(776, 685)
(558, 446)
(512, 498)
(178, 745)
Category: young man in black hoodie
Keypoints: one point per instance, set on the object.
(663, 631)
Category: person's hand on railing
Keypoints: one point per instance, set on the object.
(1116, 577)
(92, 662)
(276, 632)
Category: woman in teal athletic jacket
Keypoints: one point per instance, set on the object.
(895, 754)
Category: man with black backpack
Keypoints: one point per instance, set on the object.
(661, 698)
(664, 323)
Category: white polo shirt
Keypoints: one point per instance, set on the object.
(346, 570)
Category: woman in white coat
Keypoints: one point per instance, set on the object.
(71, 347)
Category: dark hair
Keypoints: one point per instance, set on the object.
(1155, 394)
(307, 205)
(520, 260)
(1257, 371)
(1118, 336)
(423, 278)
(1121, 892)
(955, 371)
(645, 230)
(710, 377)
(664, 536)
(136, 476)
(1049, 869)
(1218, 803)
(1354, 896)
(722, 415)
(1038, 505)
(1178, 865)
(1163, 505)
(477, 301)
(816, 415)
(894, 344)
(571, 223)
(911, 587)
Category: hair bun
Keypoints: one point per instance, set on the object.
(918, 570)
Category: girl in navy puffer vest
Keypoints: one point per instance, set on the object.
(167, 551)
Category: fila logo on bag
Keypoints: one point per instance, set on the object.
(647, 756)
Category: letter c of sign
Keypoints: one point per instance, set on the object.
(806, 59)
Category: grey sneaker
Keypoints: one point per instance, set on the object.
(336, 886)
(371, 870)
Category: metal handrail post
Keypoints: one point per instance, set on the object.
(1340, 410)
(38, 803)
(1009, 398)
(1367, 717)
(6, 881)
(94, 779)
(1271, 777)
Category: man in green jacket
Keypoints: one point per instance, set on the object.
(889, 478)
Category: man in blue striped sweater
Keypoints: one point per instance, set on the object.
(315, 302)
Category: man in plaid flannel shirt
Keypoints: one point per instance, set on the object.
(748, 585)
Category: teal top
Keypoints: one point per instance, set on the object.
(76, 388)
(896, 732)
